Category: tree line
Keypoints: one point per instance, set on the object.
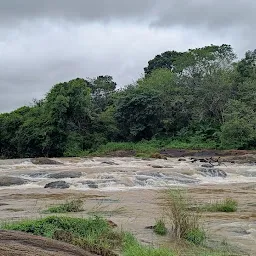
(203, 95)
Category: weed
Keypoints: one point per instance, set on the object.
(176, 207)
(69, 206)
(133, 248)
(226, 205)
(160, 228)
(196, 236)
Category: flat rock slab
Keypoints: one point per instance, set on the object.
(42, 161)
(63, 175)
(57, 184)
(7, 181)
(13, 243)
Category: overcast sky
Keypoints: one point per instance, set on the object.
(50, 41)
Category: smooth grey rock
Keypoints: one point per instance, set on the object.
(7, 181)
(57, 184)
(63, 175)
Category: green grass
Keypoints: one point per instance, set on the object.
(147, 148)
(160, 228)
(226, 205)
(133, 248)
(196, 236)
(69, 206)
(94, 234)
(185, 223)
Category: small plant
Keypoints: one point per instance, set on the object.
(160, 228)
(177, 209)
(226, 205)
(196, 236)
(69, 206)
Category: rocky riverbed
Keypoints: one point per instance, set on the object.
(126, 190)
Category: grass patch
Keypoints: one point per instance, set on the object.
(93, 234)
(185, 224)
(133, 248)
(69, 206)
(160, 228)
(226, 205)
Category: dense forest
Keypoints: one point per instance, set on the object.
(204, 95)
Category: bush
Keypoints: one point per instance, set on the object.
(160, 228)
(69, 206)
(226, 205)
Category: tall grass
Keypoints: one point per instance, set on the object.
(184, 223)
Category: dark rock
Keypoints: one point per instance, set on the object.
(45, 161)
(63, 175)
(7, 181)
(157, 166)
(37, 175)
(93, 185)
(109, 163)
(213, 173)
(182, 160)
(57, 184)
(207, 165)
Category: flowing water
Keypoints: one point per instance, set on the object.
(125, 173)
(133, 184)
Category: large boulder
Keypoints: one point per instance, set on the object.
(6, 181)
(13, 243)
(57, 184)
(63, 175)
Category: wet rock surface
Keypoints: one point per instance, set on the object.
(6, 181)
(213, 172)
(13, 243)
(57, 184)
(63, 175)
(45, 161)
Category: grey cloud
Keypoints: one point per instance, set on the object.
(210, 13)
(50, 41)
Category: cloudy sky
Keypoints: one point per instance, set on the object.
(50, 41)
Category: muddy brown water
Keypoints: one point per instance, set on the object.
(126, 190)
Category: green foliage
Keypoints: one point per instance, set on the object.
(69, 206)
(226, 205)
(196, 236)
(200, 98)
(138, 114)
(160, 228)
(133, 248)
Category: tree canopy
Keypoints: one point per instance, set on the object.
(203, 94)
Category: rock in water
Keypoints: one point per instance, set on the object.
(63, 175)
(45, 161)
(57, 184)
(212, 172)
(7, 181)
